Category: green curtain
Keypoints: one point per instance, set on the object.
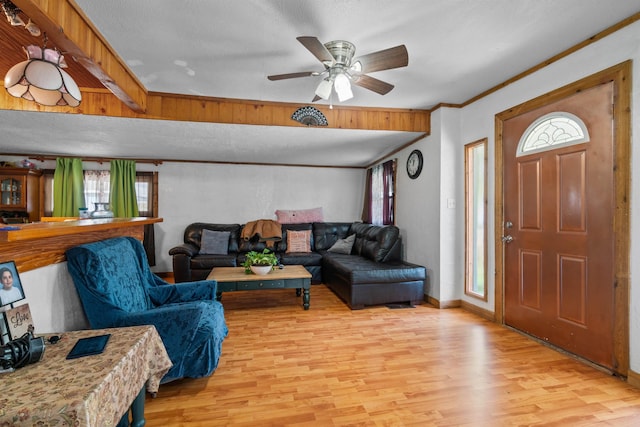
(68, 187)
(122, 196)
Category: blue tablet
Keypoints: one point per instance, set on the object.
(88, 346)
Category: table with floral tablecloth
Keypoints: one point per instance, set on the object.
(89, 391)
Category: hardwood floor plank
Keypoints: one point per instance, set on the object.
(331, 366)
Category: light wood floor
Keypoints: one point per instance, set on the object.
(330, 366)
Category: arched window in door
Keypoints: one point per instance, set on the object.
(552, 131)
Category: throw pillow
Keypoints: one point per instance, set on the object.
(214, 242)
(343, 246)
(299, 216)
(298, 241)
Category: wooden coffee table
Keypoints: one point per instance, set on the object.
(290, 277)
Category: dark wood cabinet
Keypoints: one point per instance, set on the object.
(20, 192)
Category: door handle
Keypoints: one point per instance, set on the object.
(507, 239)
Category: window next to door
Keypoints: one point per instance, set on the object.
(476, 219)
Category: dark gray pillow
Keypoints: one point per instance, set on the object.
(343, 246)
(214, 242)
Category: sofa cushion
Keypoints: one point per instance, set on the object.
(359, 270)
(326, 234)
(376, 243)
(193, 233)
(282, 245)
(214, 242)
(207, 262)
(299, 216)
(301, 258)
(343, 246)
(254, 244)
(298, 241)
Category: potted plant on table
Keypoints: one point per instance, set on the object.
(260, 262)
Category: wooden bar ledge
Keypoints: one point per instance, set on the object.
(39, 244)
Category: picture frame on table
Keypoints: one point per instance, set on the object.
(11, 289)
(18, 321)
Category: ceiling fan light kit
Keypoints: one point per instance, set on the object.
(324, 89)
(343, 70)
(342, 86)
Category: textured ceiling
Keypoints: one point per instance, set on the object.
(226, 48)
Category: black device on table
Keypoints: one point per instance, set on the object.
(89, 346)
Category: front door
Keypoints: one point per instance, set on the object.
(558, 226)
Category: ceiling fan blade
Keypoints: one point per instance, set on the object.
(290, 75)
(316, 47)
(387, 59)
(375, 85)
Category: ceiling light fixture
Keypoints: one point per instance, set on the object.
(41, 78)
(339, 80)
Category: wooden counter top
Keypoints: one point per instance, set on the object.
(39, 244)
(39, 230)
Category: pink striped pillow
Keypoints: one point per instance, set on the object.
(298, 241)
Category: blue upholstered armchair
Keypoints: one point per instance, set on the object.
(117, 288)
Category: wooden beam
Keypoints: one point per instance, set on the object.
(70, 30)
(73, 33)
(162, 106)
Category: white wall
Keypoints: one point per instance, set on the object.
(435, 232)
(240, 193)
(208, 193)
(418, 207)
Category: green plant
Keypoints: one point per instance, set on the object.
(266, 257)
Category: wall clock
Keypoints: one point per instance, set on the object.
(414, 164)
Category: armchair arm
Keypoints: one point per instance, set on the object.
(183, 292)
(182, 255)
(177, 324)
(185, 249)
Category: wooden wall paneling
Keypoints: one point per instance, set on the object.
(50, 250)
(218, 110)
(41, 244)
(71, 31)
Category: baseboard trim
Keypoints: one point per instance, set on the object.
(633, 378)
(442, 304)
(479, 311)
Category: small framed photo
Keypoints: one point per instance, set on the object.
(10, 286)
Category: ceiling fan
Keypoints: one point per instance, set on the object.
(342, 69)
